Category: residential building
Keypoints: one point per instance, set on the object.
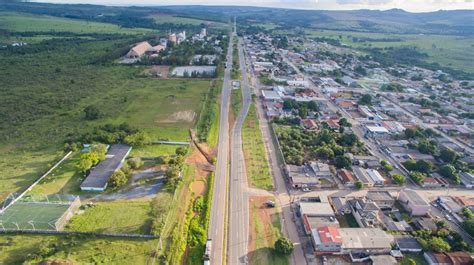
(301, 177)
(362, 176)
(383, 199)
(376, 177)
(321, 170)
(365, 212)
(450, 258)
(467, 179)
(406, 243)
(346, 177)
(317, 214)
(326, 240)
(413, 203)
(138, 50)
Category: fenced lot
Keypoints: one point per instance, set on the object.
(32, 216)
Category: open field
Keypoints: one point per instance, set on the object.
(450, 51)
(186, 20)
(28, 22)
(254, 151)
(127, 217)
(265, 229)
(78, 249)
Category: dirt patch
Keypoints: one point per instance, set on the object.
(196, 158)
(261, 227)
(161, 71)
(180, 116)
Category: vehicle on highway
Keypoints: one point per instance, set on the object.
(306, 190)
(448, 217)
(207, 252)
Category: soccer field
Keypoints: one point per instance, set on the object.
(32, 216)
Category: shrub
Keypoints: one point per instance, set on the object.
(284, 246)
(117, 179)
(135, 163)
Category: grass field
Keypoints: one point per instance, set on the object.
(450, 51)
(128, 217)
(19, 249)
(267, 227)
(186, 20)
(42, 216)
(236, 101)
(254, 151)
(28, 22)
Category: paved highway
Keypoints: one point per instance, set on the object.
(238, 198)
(219, 198)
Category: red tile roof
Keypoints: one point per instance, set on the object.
(346, 175)
(329, 234)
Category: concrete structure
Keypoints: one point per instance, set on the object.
(317, 214)
(365, 240)
(99, 175)
(383, 199)
(301, 177)
(413, 203)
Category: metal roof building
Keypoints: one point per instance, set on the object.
(99, 175)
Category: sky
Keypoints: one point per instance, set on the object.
(408, 5)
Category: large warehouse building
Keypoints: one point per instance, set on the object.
(99, 176)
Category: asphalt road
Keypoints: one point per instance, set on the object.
(217, 220)
(238, 197)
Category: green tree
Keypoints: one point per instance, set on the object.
(467, 213)
(448, 155)
(365, 100)
(423, 166)
(359, 185)
(342, 161)
(386, 166)
(438, 244)
(417, 177)
(137, 139)
(449, 171)
(92, 113)
(117, 179)
(400, 179)
(344, 123)
(284, 246)
(181, 151)
(135, 163)
(468, 225)
(83, 165)
(408, 261)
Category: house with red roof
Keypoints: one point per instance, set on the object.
(326, 239)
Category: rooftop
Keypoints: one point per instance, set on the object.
(328, 234)
(100, 174)
(365, 238)
(379, 195)
(316, 209)
(414, 197)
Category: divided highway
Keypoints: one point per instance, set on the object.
(219, 197)
(238, 197)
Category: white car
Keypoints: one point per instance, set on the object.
(306, 189)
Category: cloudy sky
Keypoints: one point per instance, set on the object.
(409, 5)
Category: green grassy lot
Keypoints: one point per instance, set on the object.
(266, 235)
(28, 22)
(254, 152)
(451, 51)
(128, 217)
(78, 249)
(236, 101)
